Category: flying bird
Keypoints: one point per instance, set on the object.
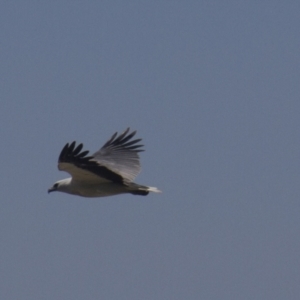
(109, 171)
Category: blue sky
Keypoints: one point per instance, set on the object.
(213, 90)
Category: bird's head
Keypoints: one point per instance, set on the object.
(60, 186)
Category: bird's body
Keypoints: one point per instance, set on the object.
(109, 171)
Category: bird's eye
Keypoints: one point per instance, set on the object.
(55, 185)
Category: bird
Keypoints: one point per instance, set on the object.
(109, 171)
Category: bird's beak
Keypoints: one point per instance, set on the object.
(51, 190)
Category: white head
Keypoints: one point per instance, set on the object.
(61, 186)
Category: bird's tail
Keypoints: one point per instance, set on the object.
(153, 189)
(142, 190)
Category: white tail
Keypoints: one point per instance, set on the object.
(153, 189)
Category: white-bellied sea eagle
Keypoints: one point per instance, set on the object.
(109, 171)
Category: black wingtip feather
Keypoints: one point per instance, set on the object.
(122, 142)
(72, 146)
(78, 149)
(71, 154)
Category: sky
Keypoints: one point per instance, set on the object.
(212, 88)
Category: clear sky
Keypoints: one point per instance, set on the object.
(213, 89)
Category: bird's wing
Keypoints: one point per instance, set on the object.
(116, 161)
(82, 167)
(120, 155)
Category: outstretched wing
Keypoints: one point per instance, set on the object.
(116, 161)
(120, 155)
